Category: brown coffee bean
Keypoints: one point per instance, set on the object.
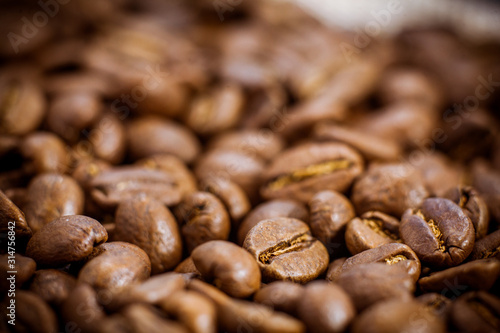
(115, 266)
(82, 310)
(107, 139)
(148, 224)
(390, 254)
(271, 209)
(52, 285)
(203, 218)
(234, 314)
(71, 112)
(218, 110)
(487, 247)
(437, 304)
(231, 194)
(24, 266)
(301, 172)
(330, 213)
(154, 135)
(371, 230)
(476, 311)
(319, 301)
(281, 296)
(110, 187)
(473, 206)
(335, 269)
(439, 172)
(368, 284)
(33, 314)
(261, 143)
(388, 188)
(230, 267)
(285, 250)
(65, 240)
(439, 232)
(192, 309)
(475, 275)
(51, 196)
(23, 103)
(12, 218)
(146, 319)
(86, 170)
(46, 153)
(486, 181)
(398, 316)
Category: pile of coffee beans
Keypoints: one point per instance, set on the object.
(236, 166)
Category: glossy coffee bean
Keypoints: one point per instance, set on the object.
(24, 266)
(231, 194)
(65, 240)
(52, 285)
(285, 250)
(281, 296)
(371, 230)
(203, 218)
(9, 212)
(317, 304)
(335, 269)
(439, 232)
(146, 319)
(231, 268)
(476, 312)
(487, 247)
(51, 196)
(46, 153)
(388, 188)
(106, 139)
(148, 224)
(300, 172)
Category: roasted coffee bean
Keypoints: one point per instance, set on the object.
(65, 240)
(23, 266)
(271, 209)
(146, 319)
(52, 285)
(285, 250)
(438, 304)
(86, 170)
(476, 311)
(107, 139)
(33, 314)
(115, 266)
(82, 310)
(234, 314)
(203, 218)
(319, 301)
(231, 194)
(390, 254)
(371, 230)
(335, 269)
(330, 213)
(300, 172)
(13, 219)
(281, 296)
(388, 188)
(473, 206)
(439, 173)
(264, 144)
(486, 181)
(439, 232)
(368, 284)
(487, 247)
(110, 187)
(475, 275)
(218, 110)
(46, 153)
(151, 135)
(148, 224)
(51, 196)
(398, 316)
(192, 309)
(230, 267)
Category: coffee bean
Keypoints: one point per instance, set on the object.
(107, 139)
(371, 230)
(317, 304)
(146, 319)
(24, 266)
(46, 153)
(281, 296)
(438, 304)
(52, 285)
(300, 172)
(330, 213)
(148, 224)
(231, 194)
(439, 232)
(33, 314)
(476, 311)
(335, 269)
(82, 310)
(487, 247)
(65, 240)
(51, 196)
(439, 173)
(230, 267)
(271, 209)
(473, 206)
(9, 212)
(203, 218)
(486, 181)
(388, 188)
(475, 275)
(285, 250)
